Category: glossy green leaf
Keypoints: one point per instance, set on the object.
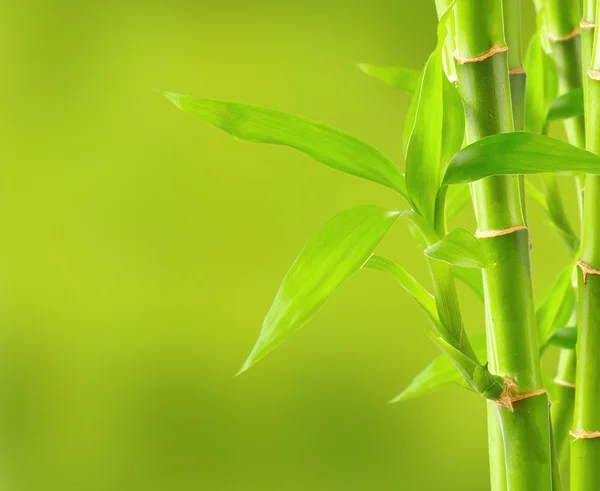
(457, 198)
(437, 132)
(412, 286)
(470, 277)
(409, 120)
(555, 306)
(557, 214)
(550, 201)
(460, 248)
(565, 338)
(405, 79)
(568, 105)
(323, 143)
(518, 153)
(478, 376)
(542, 85)
(440, 373)
(332, 256)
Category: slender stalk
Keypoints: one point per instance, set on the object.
(562, 407)
(563, 32)
(585, 449)
(518, 79)
(510, 318)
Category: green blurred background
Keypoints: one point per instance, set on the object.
(140, 250)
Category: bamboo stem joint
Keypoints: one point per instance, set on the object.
(587, 270)
(494, 50)
(510, 395)
(584, 434)
(490, 234)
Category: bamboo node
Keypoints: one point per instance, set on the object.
(494, 50)
(564, 383)
(587, 270)
(584, 434)
(490, 234)
(509, 396)
(584, 24)
(517, 71)
(561, 39)
(594, 75)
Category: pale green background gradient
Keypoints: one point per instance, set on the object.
(140, 250)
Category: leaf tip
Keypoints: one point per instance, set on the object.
(247, 364)
(173, 97)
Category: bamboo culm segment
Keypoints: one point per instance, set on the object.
(564, 402)
(510, 318)
(585, 452)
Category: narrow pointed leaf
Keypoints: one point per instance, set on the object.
(556, 306)
(542, 85)
(332, 256)
(457, 199)
(460, 248)
(556, 213)
(565, 338)
(568, 105)
(412, 286)
(440, 373)
(323, 143)
(518, 153)
(437, 132)
(470, 277)
(405, 79)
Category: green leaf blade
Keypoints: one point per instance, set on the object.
(568, 105)
(556, 306)
(425, 300)
(405, 79)
(322, 143)
(329, 259)
(460, 248)
(518, 153)
(542, 85)
(437, 131)
(439, 373)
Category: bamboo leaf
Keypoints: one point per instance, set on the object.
(323, 143)
(460, 248)
(542, 85)
(405, 79)
(555, 306)
(457, 198)
(556, 213)
(439, 373)
(332, 256)
(568, 105)
(565, 338)
(470, 277)
(518, 153)
(412, 286)
(437, 132)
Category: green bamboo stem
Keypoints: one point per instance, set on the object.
(563, 405)
(565, 39)
(563, 31)
(585, 448)
(588, 22)
(510, 318)
(517, 79)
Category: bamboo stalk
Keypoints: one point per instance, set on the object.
(510, 318)
(562, 407)
(564, 36)
(585, 448)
